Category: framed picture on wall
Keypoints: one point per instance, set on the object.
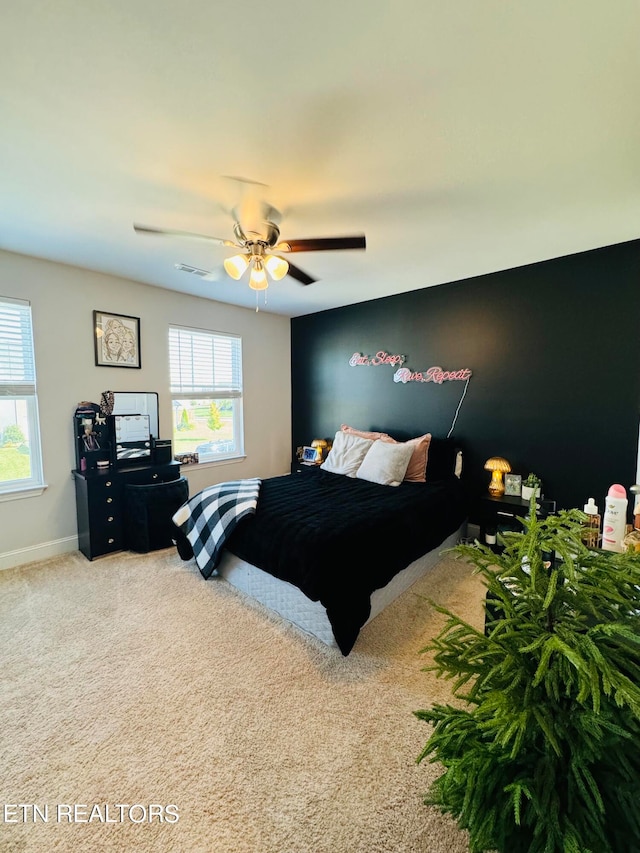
(512, 485)
(116, 340)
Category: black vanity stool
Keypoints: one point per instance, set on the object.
(147, 513)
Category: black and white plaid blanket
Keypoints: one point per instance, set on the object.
(209, 517)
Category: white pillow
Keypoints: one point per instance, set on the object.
(346, 454)
(458, 470)
(386, 463)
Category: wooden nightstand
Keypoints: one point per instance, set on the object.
(304, 467)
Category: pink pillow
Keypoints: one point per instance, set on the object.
(417, 467)
(416, 470)
(372, 436)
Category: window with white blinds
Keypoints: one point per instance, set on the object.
(205, 362)
(206, 388)
(20, 454)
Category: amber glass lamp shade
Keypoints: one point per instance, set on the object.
(321, 445)
(498, 466)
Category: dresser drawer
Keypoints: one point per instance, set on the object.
(103, 485)
(143, 478)
(148, 476)
(105, 497)
(106, 538)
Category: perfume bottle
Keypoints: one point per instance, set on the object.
(591, 528)
(635, 490)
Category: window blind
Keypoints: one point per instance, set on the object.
(17, 366)
(203, 362)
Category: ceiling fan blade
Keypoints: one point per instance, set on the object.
(300, 275)
(148, 229)
(323, 244)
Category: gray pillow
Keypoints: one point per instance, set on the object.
(385, 463)
(346, 454)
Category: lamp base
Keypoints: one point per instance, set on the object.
(496, 486)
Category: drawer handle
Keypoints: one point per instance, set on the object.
(111, 541)
(155, 476)
(110, 518)
(109, 500)
(108, 483)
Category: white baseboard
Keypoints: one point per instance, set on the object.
(35, 553)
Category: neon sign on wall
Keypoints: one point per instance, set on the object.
(433, 374)
(403, 374)
(381, 357)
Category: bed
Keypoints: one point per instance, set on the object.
(329, 550)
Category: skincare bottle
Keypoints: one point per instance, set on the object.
(591, 529)
(636, 506)
(615, 518)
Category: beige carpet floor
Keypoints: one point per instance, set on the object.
(131, 681)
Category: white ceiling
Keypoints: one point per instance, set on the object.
(461, 137)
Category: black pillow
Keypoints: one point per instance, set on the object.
(441, 461)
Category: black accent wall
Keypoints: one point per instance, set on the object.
(555, 352)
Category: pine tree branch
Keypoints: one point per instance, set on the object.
(544, 755)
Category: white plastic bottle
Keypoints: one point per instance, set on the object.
(615, 518)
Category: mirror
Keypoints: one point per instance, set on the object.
(126, 452)
(138, 403)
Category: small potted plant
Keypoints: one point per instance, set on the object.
(531, 487)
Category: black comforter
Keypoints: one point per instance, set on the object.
(339, 538)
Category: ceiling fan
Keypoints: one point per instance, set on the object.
(261, 248)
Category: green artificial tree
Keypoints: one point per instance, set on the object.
(541, 746)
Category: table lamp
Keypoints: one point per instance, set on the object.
(321, 445)
(498, 466)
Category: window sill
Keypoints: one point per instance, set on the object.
(208, 463)
(24, 492)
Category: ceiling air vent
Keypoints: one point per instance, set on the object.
(193, 270)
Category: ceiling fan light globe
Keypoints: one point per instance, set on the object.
(276, 267)
(258, 278)
(236, 265)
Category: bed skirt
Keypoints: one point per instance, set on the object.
(294, 606)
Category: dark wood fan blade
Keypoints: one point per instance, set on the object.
(148, 229)
(300, 275)
(323, 244)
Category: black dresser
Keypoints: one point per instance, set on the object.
(100, 502)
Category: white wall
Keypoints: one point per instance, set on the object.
(63, 299)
